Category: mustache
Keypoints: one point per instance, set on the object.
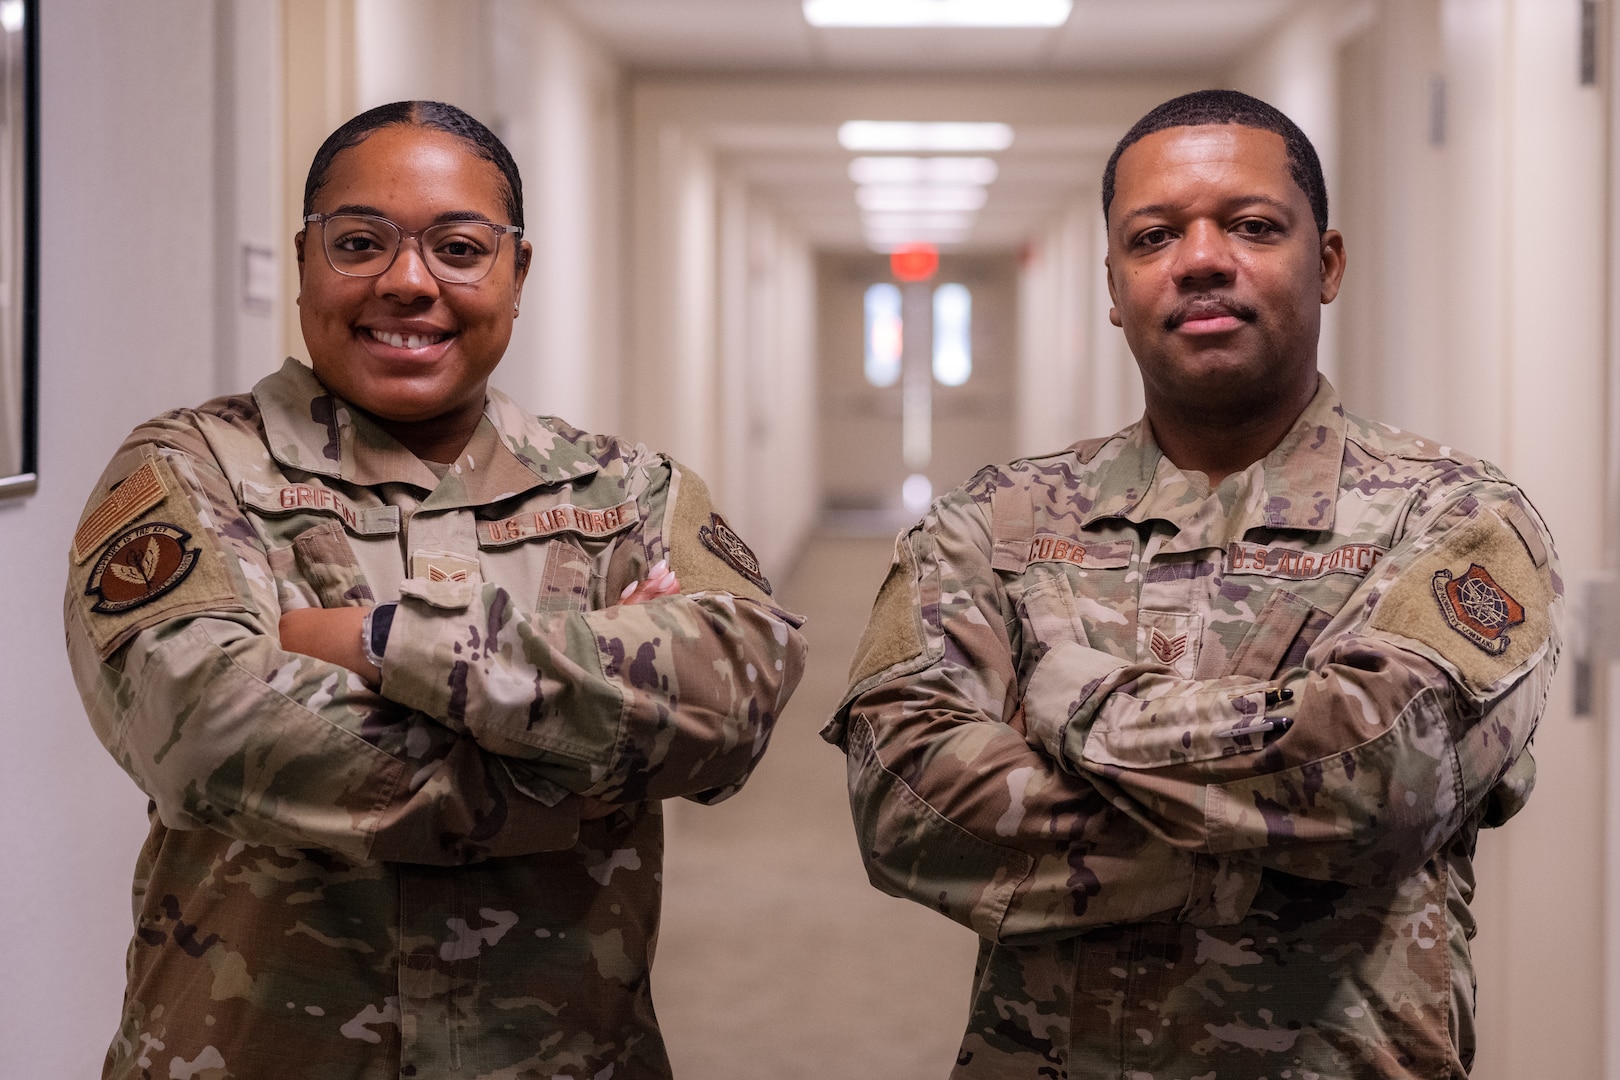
(1205, 305)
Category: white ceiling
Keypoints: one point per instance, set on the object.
(806, 173)
(801, 166)
(1140, 36)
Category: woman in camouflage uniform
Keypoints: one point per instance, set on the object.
(404, 670)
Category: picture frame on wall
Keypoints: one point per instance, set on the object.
(19, 247)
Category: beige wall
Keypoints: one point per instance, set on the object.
(765, 474)
(1475, 311)
(318, 94)
(720, 353)
(1076, 378)
(558, 105)
(138, 288)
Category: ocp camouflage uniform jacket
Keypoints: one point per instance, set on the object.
(345, 884)
(1205, 771)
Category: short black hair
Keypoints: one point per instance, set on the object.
(1230, 107)
(433, 114)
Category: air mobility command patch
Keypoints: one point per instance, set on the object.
(1478, 601)
(719, 538)
(1478, 608)
(704, 552)
(154, 559)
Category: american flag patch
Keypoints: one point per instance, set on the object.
(140, 491)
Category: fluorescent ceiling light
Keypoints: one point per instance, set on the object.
(921, 198)
(908, 136)
(916, 170)
(888, 242)
(905, 239)
(917, 236)
(912, 222)
(908, 13)
(12, 14)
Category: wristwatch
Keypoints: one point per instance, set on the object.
(374, 632)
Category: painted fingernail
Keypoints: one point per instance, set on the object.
(628, 589)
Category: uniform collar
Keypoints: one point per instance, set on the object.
(1295, 486)
(311, 430)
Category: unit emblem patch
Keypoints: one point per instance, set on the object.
(719, 538)
(1477, 607)
(140, 565)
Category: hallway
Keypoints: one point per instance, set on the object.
(711, 210)
(766, 965)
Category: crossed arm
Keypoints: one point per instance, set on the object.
(226, 726)
(334, 635)
(1110, 791)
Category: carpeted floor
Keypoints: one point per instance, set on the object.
(777, 960)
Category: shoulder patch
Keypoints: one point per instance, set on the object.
(135, 495)
(705, 553)
(1478, 608)
(719, 538)
(140, 565)
(159, 562)
(1477, 599)
(893, 633)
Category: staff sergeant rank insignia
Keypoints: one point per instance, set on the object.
(1478, 608)
(718, 537)
(139, 566)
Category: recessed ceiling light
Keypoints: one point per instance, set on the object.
(903, 221)
(12, 15)
(886, 245)
(909, 136)
(907, 13)
(917, 170)
(922, 198)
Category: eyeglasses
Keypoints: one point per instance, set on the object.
(455, 252)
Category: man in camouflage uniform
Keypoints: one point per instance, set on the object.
(1196, 725)
(455, 872)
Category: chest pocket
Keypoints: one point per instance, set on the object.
(1067, 588)
(1307, 588)
(1048, 610)
(325, 548)
(565, 582)
(327, 562)
(1279, 637)
(571, 544)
